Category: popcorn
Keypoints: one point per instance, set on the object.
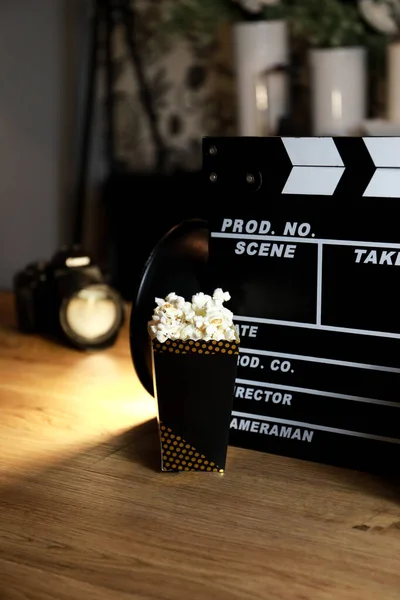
(204, 318)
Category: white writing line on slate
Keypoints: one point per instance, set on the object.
(318, 327)
(369, 436)
(304, 240)
(329, 361)
(312, 392)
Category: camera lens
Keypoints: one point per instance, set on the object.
(92, 316)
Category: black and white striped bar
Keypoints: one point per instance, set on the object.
(310, 166)
(385, 152)
(317, 166)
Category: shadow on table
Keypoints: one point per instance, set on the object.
(384, 485)
(140, 446)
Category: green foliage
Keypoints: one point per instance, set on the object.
(277, 11)
(327, 23)
(199, 19)
(313, 23)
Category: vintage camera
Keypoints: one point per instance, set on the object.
(68, 298)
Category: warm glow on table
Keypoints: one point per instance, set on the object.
(57, 401)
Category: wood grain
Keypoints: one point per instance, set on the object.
(86, 514)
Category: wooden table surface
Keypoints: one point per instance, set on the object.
(86, 514)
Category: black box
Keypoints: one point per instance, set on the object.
(304, 233)
(193, 384)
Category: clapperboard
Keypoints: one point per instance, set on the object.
(305, 235)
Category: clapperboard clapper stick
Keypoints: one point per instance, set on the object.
(305, 234)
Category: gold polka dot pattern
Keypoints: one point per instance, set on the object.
(178, 455)
(196, 347)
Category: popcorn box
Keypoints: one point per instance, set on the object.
(194, 385)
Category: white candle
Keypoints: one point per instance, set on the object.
(393, 82)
